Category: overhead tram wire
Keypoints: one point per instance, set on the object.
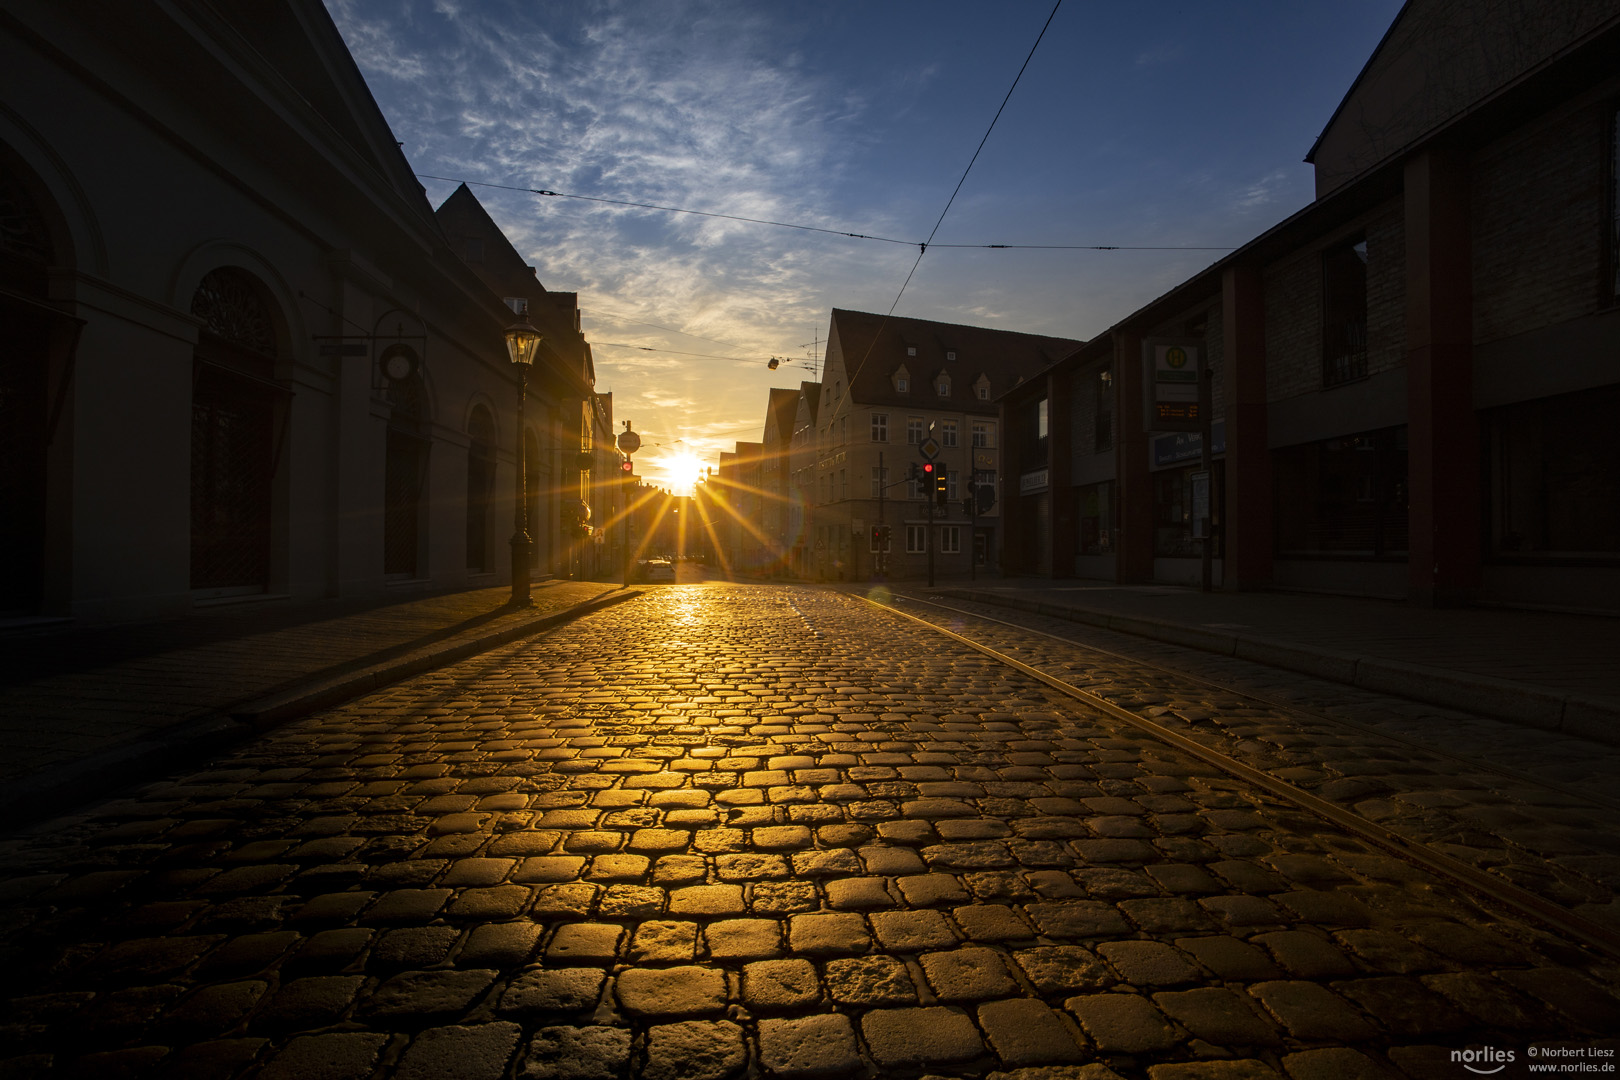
(837, 232)
(922, 248)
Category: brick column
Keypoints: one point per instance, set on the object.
(1442, 428)
(1060, 461)
(1133, 561)
(1249, 533)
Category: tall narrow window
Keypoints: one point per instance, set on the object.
(1041, 418)
(1344, 313)
(914, 430)
(879, 476)
(947, 432)
(880, 427)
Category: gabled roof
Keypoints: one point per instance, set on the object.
(779, 414)
(873, 346)
(810, 395)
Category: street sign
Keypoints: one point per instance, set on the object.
(1170, 369)
(929, 448)
(629, 442)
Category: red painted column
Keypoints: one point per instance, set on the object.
(1133, 560)
(1249, 533)
(1442, 428)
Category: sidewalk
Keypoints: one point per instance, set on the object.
(83, 711)
(1549, 670)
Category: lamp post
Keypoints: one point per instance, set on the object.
(521, 341)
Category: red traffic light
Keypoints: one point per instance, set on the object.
(928, 468)
(626, 465)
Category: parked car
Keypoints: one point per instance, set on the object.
(658, 570)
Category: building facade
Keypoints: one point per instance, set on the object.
(244, 358)
(892, 390)
(1412, 377)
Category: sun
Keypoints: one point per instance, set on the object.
(683, 471)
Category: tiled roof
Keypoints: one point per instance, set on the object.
(873, 348)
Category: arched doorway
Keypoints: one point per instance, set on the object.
(235, 403)
(25, 348)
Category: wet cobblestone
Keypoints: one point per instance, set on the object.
(730, 829)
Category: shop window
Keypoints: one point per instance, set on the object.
(1175, 524)
(1345, 496)
(1553, 477)
(1344, 313)
(1095, 510)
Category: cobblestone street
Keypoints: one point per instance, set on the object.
(727, 830)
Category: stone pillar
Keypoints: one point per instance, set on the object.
(1249, 532)
(1442, 429)
(1134, 556)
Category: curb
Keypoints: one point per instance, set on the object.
(1577, 715)
(53, 791)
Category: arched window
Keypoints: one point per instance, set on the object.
(233, 433)
(480, 488)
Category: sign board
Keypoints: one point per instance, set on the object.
(929, 448)
(1032, 482)
(1170, 372)
(1188, 445)
(629, 442)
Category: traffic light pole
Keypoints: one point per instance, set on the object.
(929, 502)
(881, 558)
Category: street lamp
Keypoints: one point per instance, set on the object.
(521, 341)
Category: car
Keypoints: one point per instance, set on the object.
(658, 570)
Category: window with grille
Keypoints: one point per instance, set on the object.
(1344, 313)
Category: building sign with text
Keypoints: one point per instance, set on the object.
(1171, 368)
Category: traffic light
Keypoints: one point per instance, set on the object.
(627, 467)
(877, 537)
(941, 485)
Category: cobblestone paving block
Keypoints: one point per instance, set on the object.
(1230, 958)
(500, 945)
(548, 869)
(475, 1052)
(1124, 1023)
(870, 980)
(743, 939)
(695, 1050)
(707, 900)
(1074, 919)
(584, 943)
(828, 934)
(928, 890)
(1310, 1011)
(1570, 994)
(209, 1060)
(348, 1055)
(811, 1046)
(1246, 1069)
(412, 948)
(1025, 1032)
(416, 996)
(780, 985)
(314, 1002)
(912, 931)
(858, 894)
(1306, 954)
(783, 898)
(1489, 1000)
(679, 991)
(991, 923)
(130, 1062)
(1328, 909)
(927, 1036)
(664, 941)
(1333, 1063)
(1063, 969)
(1148, 963)
(1218, 1015)
(967, 974)
(1404, 1006)
(213, 1010)
(578, 1053)
(542, 990)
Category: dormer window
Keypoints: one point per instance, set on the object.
(950, 355)
(911, 350)
(942, 386)
(902, 381)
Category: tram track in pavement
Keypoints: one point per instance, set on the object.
(997, 638)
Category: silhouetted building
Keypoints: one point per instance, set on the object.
(1414, 378)
(244, 358)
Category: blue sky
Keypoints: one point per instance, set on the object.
(1142, 123)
